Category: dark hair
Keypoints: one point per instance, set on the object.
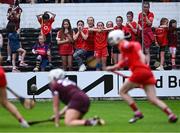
(90, 17)
(80, 21)
(119, 17)
(108, 22)
(11, 27)
(130, 13)
(16, 3)
(45, 16)
(100, 22)
(172, 21)
(146, 3)
(163, 20)
(69, 28)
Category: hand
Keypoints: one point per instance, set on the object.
(144, 14)
(80, 28)
(100, 30)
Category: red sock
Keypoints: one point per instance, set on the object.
(20, 120)
(133, 107)
(167, 111)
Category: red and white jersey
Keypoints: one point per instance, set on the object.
(123, 28)
(150, 16)
(46, 27)
(90, 41)
(80, 43)
(130, 55)
(3, 81)
(133, 35)
(100, 40)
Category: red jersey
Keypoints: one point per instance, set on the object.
(172, 37)
(80, 43)
(133, 35)
(123, 28)
(161, 36)
(150, 16)
(90, 41)
(46, 27)
(100, 40)
(129, 52)
(3, 81)
(66, 48)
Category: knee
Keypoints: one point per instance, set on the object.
(3, 103)
(122, 92)
(152, 100)
(68, 122)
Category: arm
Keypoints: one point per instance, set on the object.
(56, 109)
(108, 29)
(133, 29)
(59, 41)
(75, 35)
(84, 35)
(53, 15)
(38, 16)
(142, 57)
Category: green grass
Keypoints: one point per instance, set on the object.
(116, 114)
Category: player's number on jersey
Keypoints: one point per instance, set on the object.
(67, 82)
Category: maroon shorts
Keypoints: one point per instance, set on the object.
(3, 81)
(80, 102)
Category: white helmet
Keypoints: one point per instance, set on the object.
(56, 74)
(115, 36)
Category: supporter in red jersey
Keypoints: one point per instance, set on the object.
(46, 21)
(132, 26)
(173, 41)
(65, 43)
(162, 40)
(80, 36)
(76, 101)
(41, 50)
(119, 26)
(133, 57)
(90, 40)
(100, 42)
(148, 37)
(5, 102)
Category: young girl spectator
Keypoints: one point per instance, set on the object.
(46, 21)
(41, 50)
(14, 44)
(80, 38)
(100, 41)
(161, 39)
(132, 26)
(65, 43)
(172, 40)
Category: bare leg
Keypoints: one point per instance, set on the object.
(64, 62)
(162, 58)
(98, 64)
(14, 60)
(8, 52)
(104, 63)
(70, 62)
(147, 56)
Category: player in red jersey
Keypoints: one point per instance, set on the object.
(76, 101)
(4, 101)
(133, 57)
(119, 26)
(65, 43)
(148, 36)
(100, 41)
(80, 36)
(46, 21)
(162, 40)
(173, 41)
(132, 26)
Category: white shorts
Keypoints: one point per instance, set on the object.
(172, 50)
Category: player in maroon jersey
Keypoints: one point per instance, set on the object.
(76, 101)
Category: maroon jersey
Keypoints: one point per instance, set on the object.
(67, 90)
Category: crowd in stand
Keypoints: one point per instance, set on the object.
(83, 42)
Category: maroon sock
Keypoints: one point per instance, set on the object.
(87, 123)
(133, 107)
(167, 111)
(20, 120)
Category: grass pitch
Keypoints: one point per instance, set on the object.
(115, 113)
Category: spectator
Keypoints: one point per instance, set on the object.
(41, 50)
(109, 24)
(65, 43)
(46, 21)
(80, 36)
(119, 26)
(13, 16)
(132, 25)
(173, 41)
(146, 29)
(15, 46)
(100, 41)
(90, 40)
(161, 39)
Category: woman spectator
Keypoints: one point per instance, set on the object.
(80, 37)
(131, 25)
(173, 41)
(65, 43)
(14, 44)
